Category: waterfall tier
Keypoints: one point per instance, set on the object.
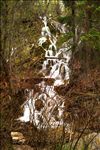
(45, 108)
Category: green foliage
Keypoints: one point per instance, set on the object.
(81, 3)
(64, 19)
(93, 37)
(63, 147)
(98, 9)
(66, 146)
(63, 38)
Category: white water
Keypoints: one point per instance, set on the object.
(55, 66)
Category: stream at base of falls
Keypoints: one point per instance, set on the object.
(46, 108)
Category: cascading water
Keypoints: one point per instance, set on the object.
(55, 66)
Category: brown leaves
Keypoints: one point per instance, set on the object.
(39, 104)
(49, 81)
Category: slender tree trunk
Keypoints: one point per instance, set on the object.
(87, 47)
(72, 3)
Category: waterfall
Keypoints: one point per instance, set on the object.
(55, 66)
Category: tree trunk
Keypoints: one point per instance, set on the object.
(72, 3)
